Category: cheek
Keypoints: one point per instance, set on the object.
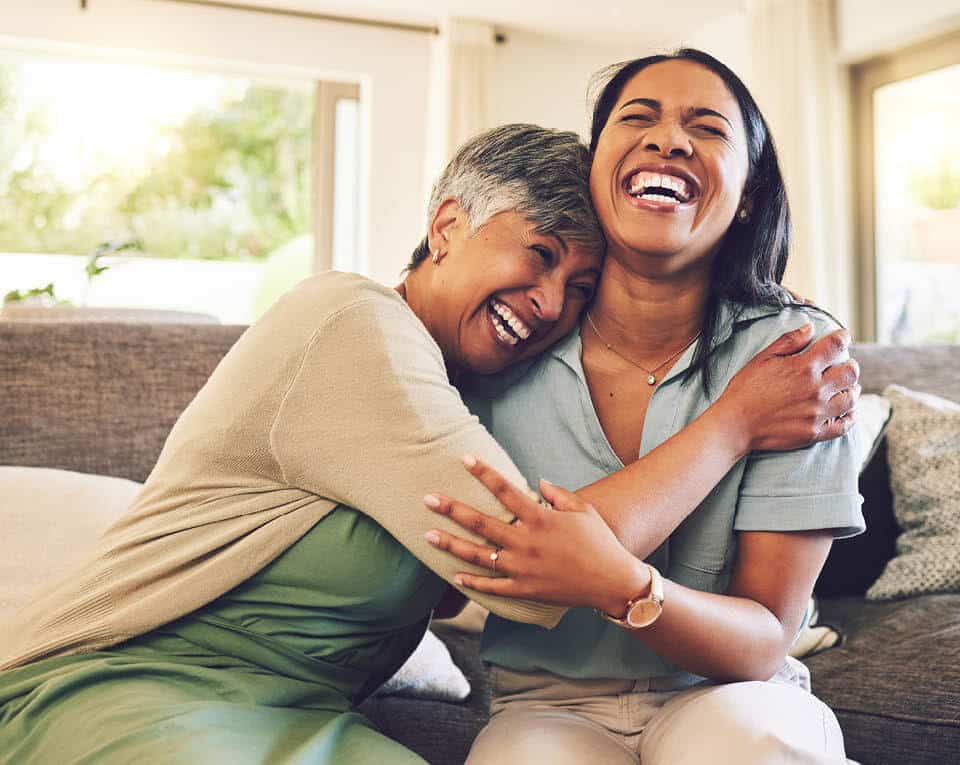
(731, 177)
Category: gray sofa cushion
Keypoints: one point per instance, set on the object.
(895, 681)
(99, 397)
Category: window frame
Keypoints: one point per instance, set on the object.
(866, 77)
(326, 96)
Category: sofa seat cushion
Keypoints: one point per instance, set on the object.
(51, 519)
(894, 683)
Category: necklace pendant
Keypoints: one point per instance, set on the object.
(651, 380)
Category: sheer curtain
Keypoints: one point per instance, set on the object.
(801, 87)
(460, 83)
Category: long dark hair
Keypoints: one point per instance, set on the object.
(749, 266)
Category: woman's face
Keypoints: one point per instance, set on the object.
(505, 292)
(670, 165)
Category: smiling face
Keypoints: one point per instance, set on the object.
(504, 292)
(670, 166)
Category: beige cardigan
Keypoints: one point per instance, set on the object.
(338, 395)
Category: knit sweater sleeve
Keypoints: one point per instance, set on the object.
(370, 421)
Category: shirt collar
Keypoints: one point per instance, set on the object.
(732, 317)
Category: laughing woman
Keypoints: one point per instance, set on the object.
(675, 664)
(274, 570)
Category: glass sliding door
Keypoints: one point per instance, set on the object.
(910, 195)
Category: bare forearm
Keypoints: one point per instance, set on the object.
(721, 637)
(645, 501)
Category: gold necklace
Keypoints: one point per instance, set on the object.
(651, 373)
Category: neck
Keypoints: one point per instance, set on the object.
(645, 315)
(414, 290)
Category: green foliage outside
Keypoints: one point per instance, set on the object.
(230, 183)
(939, 190)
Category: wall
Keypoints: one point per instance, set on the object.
(391, 66)
(867, 28)
(544, 79)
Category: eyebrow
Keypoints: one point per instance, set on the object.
(701, 111)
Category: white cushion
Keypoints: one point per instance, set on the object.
(429, 673)
(50, 520)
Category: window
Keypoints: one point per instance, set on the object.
(199, 189)
(908, 108)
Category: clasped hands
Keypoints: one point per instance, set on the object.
(563, 554)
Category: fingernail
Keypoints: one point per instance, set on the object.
(432, 500)
(432, 537)
(548, 483)
(458, 580)
(469, 460)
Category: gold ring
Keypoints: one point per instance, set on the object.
(494, 557)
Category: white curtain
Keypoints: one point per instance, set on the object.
(801, 87)
(460, 82)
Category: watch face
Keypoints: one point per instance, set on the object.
(643, 613)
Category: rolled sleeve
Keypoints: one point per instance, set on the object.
(802, 490)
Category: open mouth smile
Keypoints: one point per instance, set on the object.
(663, 189)
(510, 329)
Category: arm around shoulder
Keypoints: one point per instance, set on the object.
(371, 421)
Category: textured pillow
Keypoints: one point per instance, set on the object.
(50, 519)
(923, 452)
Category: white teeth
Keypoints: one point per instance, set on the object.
(512, 319)
(644, 180)
(502, 333)
(659, 198)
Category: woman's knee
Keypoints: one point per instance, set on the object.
(557, 736)
(753, 722)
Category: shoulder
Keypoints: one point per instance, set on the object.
(746, 330)
(333, 301)
(332, 292)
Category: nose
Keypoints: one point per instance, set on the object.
(668, 140)
(547, 301)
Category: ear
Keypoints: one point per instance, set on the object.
(447, 221)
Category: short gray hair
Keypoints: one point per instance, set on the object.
(542, 174)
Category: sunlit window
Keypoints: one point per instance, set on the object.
(194, 187)
(917, 208)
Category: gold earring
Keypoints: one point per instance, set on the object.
(436, 257)
(742, 215)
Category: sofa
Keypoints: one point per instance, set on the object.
(101, 397)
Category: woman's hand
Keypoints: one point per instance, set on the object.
(787, 397)
(565, 554)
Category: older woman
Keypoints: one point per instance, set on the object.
(242, 606)
(686, 184)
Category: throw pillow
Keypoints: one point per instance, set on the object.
(873, 417)
(50, 519)
(923, 452)
(429, 673)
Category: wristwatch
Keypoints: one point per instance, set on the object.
(642, 611)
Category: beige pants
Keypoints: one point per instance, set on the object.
(542, 718)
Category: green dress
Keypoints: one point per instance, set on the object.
(268, 673)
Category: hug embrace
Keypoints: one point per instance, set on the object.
(607, 317)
